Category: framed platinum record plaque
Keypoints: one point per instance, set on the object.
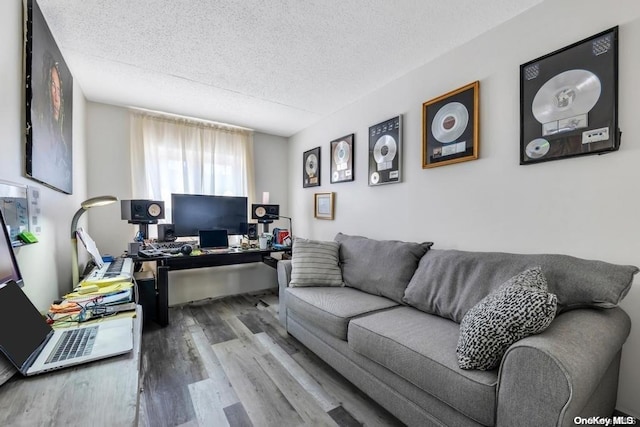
(311, 168)
(450, 127)
(569, 101)
(342, 159)
(385, 152)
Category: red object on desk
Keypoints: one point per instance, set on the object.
(282, 235)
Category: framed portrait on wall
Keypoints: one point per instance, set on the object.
(49, 106)
(450, 127)
(569, 101)
(311, 168)
(342, 159)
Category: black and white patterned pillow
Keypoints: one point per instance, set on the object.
(518, 308)
(315, 263)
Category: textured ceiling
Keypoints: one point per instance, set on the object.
(275, 66)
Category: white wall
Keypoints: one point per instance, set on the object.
(46, 266)
(586, 207)
(108, 165)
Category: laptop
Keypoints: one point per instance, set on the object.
(213, 239)
(34, 347)
(118, 269)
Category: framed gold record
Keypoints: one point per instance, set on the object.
(450, 127)
(569, 101)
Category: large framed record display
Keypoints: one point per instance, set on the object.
(569, 101)
(385, 152)
(342, 159)
(311, 168)
(450, 127)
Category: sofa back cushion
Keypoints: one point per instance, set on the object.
(379, 267)
(449, 282)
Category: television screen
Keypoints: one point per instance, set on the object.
(191, 213)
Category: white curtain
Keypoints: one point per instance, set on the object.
(175, 155)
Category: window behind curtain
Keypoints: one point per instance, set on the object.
(174, 155)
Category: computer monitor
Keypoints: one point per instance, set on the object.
(191, 213)
(8, 265)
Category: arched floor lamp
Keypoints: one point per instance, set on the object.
(87, 204)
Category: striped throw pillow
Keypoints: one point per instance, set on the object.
(315, 263)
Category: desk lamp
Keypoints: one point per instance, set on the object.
(87, 204)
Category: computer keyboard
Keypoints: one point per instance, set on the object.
(174, 245)
(74, 343)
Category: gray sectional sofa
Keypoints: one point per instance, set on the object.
(387, 315)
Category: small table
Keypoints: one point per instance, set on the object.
(100, 393)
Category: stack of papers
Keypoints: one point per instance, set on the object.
(114, 293)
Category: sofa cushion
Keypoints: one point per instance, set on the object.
(379, 267)
(449, 282)
(315, 263)
(421, 348)
(519, 308)
(331, 308)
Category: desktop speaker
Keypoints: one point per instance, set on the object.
(265, 213)
(142, 211)
(166, 233)
(252, 231)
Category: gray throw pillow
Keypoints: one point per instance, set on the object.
(379, 267)
(315, 263)
(519, 308)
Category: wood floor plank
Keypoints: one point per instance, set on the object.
(207, 403)
(324, 400)
(237, 416)
(224, 309)
(218, 378)
(272, 327)
(251, 321)
(213, 326)
(263, 401)
(240, 329)
(170, 362)
(303, 402)
(343, 418)
(359, 405)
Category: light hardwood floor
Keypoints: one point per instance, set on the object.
(228, 362)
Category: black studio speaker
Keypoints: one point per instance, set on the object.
(252, 231)
(265, 213)
(142, 211)
(166, 233)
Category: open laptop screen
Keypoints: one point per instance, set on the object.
(23, 328)
(213, 239)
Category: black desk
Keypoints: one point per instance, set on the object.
(184, 262)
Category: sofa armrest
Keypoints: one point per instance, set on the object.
(284, 277)
(550, 378)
